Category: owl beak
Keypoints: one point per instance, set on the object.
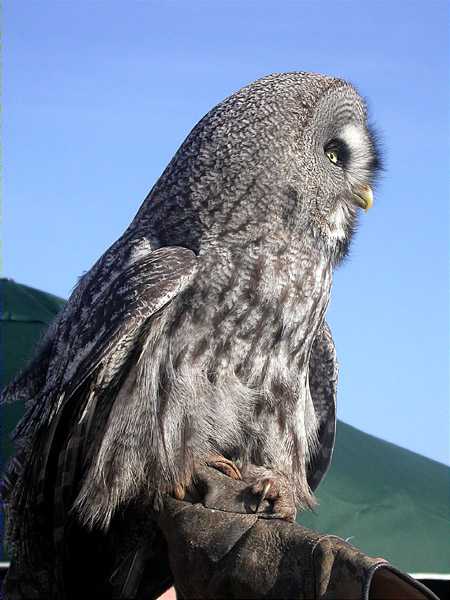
(363, 197)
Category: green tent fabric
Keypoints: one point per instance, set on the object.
(389, 501)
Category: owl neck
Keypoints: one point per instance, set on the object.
(334, 233)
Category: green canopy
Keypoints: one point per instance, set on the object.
(388, 501)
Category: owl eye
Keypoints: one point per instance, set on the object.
(337, 152)
(333, 156)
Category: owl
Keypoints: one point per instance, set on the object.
(199, 337)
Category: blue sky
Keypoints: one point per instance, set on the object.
(97, 97)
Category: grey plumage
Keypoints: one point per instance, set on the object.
(201, 330)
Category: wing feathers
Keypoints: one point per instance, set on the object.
(92, 343)
(323, 377)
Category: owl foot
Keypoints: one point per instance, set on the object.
(225, 466)
(272, 488)
(192, 491)
(179, 491)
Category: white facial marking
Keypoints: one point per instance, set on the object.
(337, 222)
(354, 136)
(357, 140)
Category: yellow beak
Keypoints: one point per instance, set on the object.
(363, 197)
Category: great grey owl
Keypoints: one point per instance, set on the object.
(199, 336)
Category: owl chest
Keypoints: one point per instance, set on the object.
(248, 326)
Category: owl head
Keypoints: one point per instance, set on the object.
(288, 156)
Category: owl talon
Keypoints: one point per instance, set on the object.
(225, 466)
(276, 490)
(179, 491)
(263, 493)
